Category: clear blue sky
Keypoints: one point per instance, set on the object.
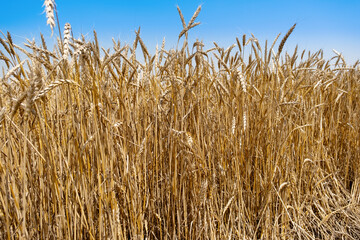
(322, 24)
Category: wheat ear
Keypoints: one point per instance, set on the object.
(282, 43)
(67, 37)
(49, 9)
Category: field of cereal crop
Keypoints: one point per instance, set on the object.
(194, 142)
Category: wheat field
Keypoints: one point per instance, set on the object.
(195, 142)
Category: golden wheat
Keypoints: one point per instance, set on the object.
(209, 144)
(49, 9)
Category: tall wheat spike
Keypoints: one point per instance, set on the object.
(49, 9)
(67, 37)
(282, 43)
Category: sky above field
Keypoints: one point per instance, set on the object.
(321, 24)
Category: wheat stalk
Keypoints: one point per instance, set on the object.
(2, 114)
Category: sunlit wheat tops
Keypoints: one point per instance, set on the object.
(49, 9)
(67, 36)
(191, 23)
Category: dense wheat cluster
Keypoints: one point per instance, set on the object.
(247, 142)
